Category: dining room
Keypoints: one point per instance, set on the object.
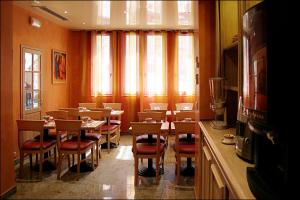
(110, 99)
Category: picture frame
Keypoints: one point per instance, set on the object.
(59, 66)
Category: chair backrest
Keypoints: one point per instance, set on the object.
(183, 127)
(87, 105)
(73, 113)
(106, 113)
(164, 113)
(96, 115)
(158, 106)
(29, 125)
(185, 114)
(157, 116)
(114, 106)
(184, 106)
(71, 126)
(141, 128)
(58, 114)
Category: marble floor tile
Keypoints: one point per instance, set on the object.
(112, 179)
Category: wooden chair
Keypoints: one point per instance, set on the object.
(33, 146)
(71, 146)
(182, 116)
(95, 135)
(57, 114)
(73, 113)
(146, 150)
(183, 149)
(158, 106)
(114, 106)
(111, 131)
(184, 106)
(87, 105)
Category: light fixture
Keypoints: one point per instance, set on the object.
(35, 22)
(83, 22)
(66, 12)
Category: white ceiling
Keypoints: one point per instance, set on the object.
(84, 15)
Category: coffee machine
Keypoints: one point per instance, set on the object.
(244, 144)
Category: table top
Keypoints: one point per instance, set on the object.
(93, 124)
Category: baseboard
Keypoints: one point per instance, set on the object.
(8, 193)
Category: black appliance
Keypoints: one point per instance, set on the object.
(268, 179)
(244, 144)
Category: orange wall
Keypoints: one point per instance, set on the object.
(49, 36)
(7, 178)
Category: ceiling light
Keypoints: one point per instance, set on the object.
(83, 22)
(66, 12)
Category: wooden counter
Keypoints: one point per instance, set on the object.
(232, 169)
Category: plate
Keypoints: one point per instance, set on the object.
(229, 143)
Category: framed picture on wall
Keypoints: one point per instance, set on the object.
(59, 66)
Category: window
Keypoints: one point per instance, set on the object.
(153, 12)
(103, 12)
(186, 74)
(155, 67)
(131, 64)
(102, 68)
(185, 15)
(132, 12)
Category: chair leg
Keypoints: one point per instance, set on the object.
(92, 152)
(36, 158)
(21, 164)
(136, 166)
(73, 159)
(157, 169)
(178, 169)
(30, 160)
(59, 165)
(41, 164)
(78, 166)
(97, 152)
(55, 162)
(108, 143)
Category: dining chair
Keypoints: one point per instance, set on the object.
(73, 113)
(111, 131)
(184, 106)
(158, 106)
(184, 115)
(94, 135)
(186, 148)
(114, 106)
(33, 146)
(87, 105)
(147, 150)
(71, 146)
(57, 114)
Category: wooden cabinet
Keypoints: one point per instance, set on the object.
(223, 173)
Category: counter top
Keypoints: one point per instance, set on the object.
(233, 167)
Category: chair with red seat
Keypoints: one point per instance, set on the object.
(186, 116)
(183, 148)
(147, 150)
(96, 134)
(111, 131)
(33, 146)
(71, 146)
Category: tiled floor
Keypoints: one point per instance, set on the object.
(112, 179)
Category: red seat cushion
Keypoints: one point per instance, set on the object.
(183, 147)
(93, 136)
(105, 128)
(73, 144)
(147, 149)
(115, 122)
(144, 139)
(36, 144)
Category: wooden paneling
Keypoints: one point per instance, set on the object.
(7, 177)
(207, 55)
